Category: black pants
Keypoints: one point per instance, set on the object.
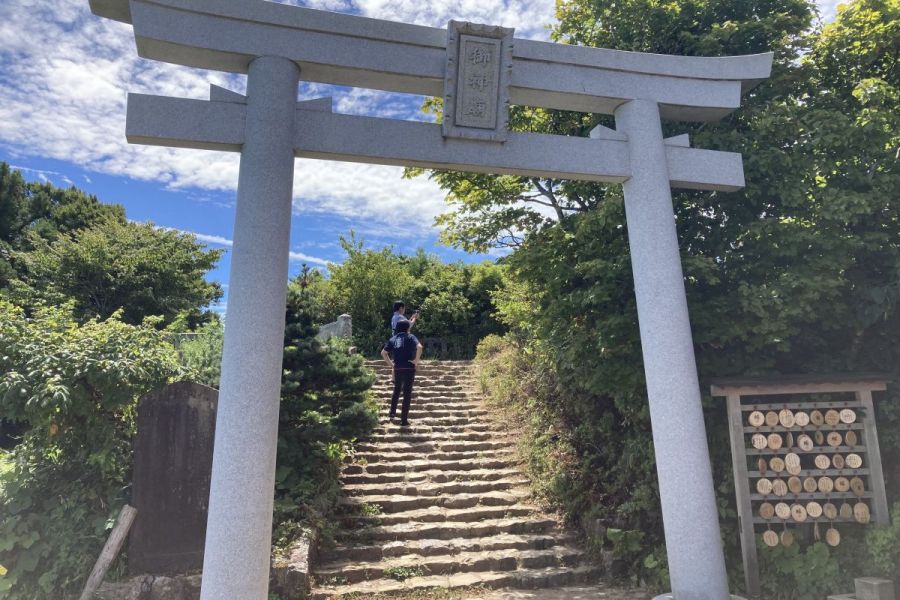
(403, 380)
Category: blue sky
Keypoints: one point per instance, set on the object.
(64, 75)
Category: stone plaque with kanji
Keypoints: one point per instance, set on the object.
(476, 90)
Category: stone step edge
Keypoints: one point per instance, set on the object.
(394, 504)
(360, 490)
(439, 514)
(430, 465)
(502, 525)
(523, 578)
(482, 475)
(560, 553)
(507, 541)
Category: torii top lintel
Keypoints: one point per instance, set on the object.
(226, 35)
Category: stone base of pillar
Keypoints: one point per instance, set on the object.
(672, 597)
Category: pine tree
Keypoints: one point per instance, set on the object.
(324, 405)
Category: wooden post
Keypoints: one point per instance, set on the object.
(742, 489)
(873, 455)
(110, 551)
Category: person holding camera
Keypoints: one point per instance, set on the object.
(403, 352)
(400, 315)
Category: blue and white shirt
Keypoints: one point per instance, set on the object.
(396, 319)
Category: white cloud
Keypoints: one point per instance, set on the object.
(301, 257)
(64, 75)
(217, 240)
(529, 17)
(206, 238)
(828, 9)
(44, 175)
(64, 98)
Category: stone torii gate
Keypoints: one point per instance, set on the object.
(478, 70)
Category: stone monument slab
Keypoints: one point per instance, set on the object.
(172, 465)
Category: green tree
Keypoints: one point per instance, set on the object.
(29, 209)
(454, 299)
(136, 267)
(75, 386)
(365, 286)
(12, 202)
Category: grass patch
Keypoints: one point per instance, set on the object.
(404, 573)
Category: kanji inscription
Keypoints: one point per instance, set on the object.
(479, 76)
(479, 60)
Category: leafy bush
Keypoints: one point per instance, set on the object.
(201, 351)
(75, 386)
(883, 547)
(801, 571)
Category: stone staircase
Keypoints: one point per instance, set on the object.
(442, 504)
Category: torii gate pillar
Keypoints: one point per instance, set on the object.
(690, 515)
(239, 526)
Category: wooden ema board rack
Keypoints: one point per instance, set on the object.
(802, 462)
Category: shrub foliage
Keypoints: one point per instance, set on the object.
(75, 386)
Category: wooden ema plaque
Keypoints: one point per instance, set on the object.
(801, 462)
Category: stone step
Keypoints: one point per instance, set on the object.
(431, 386)
(394, 503)
(503, 541)
(445, 459)
(424, 391)
(398, 435)
(436, 514)
(497, 461)
(520, 579)
(467, 364)
(436, 402)
(424, 448)
(436, 475)
(433, 489)
(424, 410)
(446, 531)
(464, 562)
(428, 420)
(440, 381)
(431, 403)
(416, 428)
(436, 385)
(384, 372)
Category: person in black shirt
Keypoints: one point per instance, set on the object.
(405, 351)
